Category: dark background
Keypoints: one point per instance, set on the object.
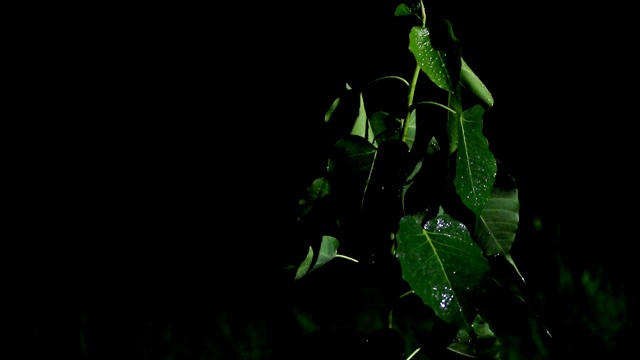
(170, 147)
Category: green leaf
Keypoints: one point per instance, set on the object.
(475, 164)
(328, 251)
(431, 61)
(385, 127)
(443, 266)
(469, 80)
(353, 155)
(303, 269)
(318, 190)
(482, 345)
(497, 224)
(329, 113)
(361, 126)
(411, 133)
(345, 116)
(404, 10)
(455, 102)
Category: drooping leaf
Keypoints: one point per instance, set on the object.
(497, 224)
(431, 61)
(443, 266)
(328, 251)
(470, 80)
(475, 164)
(303, 269)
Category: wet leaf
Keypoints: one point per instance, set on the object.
(431, 61)
(443, 266)
(475, 164)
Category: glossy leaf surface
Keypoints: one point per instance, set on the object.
(475, 164)
(443, 266)
(431, 61)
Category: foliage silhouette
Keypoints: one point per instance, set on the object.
(415, 198)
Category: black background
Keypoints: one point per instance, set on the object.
(168, 146)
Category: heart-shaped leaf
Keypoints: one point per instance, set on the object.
(475, 164)
(443, 266)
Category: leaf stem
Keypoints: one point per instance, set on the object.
(415, 352)
(346, 257)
